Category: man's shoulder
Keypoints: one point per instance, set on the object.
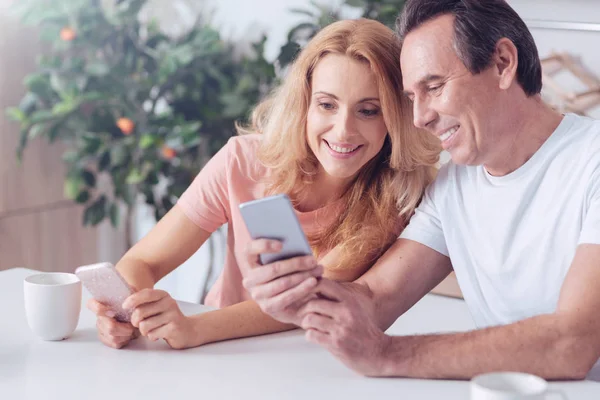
(585, 129)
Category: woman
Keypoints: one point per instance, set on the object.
(338, 138)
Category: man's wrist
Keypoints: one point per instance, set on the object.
(393, 361)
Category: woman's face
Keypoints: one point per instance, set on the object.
(345, 127)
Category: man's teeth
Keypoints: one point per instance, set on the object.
(342, 149)
(448, 133)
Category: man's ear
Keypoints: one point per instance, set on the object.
(506, 60)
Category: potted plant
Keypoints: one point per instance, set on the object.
(140, 111)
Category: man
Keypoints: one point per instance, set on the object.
(516, 213)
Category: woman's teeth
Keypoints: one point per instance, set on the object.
(341, 149)
(448, 133)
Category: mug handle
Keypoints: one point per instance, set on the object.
(557, 393)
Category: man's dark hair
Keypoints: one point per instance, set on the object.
(478, 25)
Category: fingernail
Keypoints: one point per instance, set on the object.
(110, 314)
(276, 246)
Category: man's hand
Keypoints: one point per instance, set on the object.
(157, 316)
(343, 321)
(280, 288)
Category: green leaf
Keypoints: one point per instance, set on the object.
(89, 178)
(37, 130)
(91, 144)
(119, 155)
(42, 116)
(71, 156)
(63, 108)
(72, 187)
(148, 140)
(58, 83)
(104, 161)
(37, 83)
(135, 176)
(114, 214)
(29, 103)
(95, 213)
(97, 69)
(15, 114)
(83, 197)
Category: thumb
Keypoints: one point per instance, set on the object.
(330, 290)
(99, 309)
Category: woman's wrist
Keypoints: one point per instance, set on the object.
(198, 330)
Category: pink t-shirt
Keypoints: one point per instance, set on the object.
(233, 176)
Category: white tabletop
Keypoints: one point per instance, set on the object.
(280, 366)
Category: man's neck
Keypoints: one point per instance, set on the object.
(532, 123)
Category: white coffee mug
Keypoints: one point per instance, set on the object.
(52, 304)
(511, 386)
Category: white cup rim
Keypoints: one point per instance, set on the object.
(489, 381)
(52, 279)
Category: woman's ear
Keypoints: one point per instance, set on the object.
(506, 61)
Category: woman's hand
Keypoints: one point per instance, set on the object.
(282, 288)
(157, 316)
(111, 332)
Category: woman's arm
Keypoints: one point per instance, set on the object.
(171, 242)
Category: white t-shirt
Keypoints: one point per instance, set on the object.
(512, 239)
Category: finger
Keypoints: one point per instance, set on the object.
(152, 323)
(261, 246)
(161, 332)
(280, 285)
(289, 297)
(99, 309)
(323, 307)
(332, 290)
(269, 272)
(142, 297)
(149, 310)
(318, 322)
(113, 341)
(317, 337)
(111, 327)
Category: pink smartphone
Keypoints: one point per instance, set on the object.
(107, 286)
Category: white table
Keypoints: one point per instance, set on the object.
(280, 366)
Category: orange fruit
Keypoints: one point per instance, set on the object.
(67, 34)
(125, 125)
(168, 152)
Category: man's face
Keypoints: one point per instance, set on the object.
(460, 108)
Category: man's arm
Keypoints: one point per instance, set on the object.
(401, 277)
(562, 345)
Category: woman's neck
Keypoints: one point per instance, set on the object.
(323, 190)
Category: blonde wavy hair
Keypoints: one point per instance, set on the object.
(388, 187)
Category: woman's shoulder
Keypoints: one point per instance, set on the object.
(243, 153)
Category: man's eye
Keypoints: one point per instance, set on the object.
(434, 88)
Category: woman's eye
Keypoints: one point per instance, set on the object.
(369, 113)
(326, 106)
